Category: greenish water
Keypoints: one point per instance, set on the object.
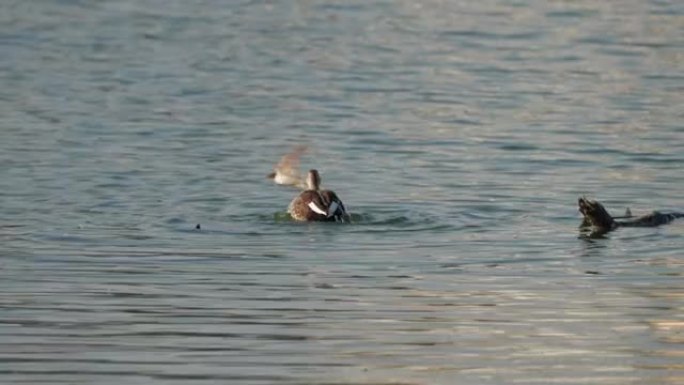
(459, 134)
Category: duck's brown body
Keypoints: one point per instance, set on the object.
(317, 205)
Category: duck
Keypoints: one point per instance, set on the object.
(286, 172)
(316, 205)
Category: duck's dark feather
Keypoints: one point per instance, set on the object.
(320, 206)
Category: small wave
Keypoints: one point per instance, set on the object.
(372, 222)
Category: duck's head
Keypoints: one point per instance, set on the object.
(313, 180)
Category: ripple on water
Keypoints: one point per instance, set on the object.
(460, 133)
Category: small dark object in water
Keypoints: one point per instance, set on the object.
(601, 222)
(198, 227)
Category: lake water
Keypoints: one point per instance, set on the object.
(459, 133)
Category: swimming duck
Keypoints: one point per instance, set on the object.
(286, 172)
(315, 204)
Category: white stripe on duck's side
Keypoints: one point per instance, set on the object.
(312, 205)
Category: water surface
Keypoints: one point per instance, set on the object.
(459, 133)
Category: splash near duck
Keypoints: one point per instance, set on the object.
(600, 221)
(286, 172)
